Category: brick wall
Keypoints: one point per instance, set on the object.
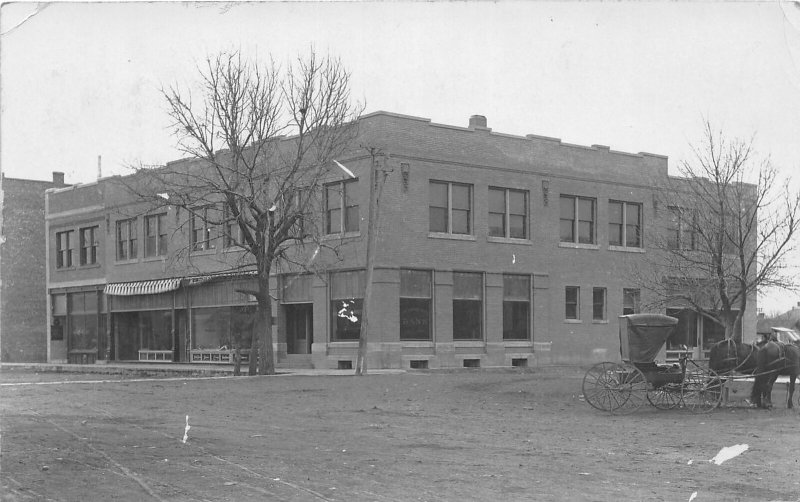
(23, 313)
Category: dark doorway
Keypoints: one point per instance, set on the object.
(299, 328)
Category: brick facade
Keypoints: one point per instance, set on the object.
(23, 313)
(423, 156)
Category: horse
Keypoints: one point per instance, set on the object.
(766, 361)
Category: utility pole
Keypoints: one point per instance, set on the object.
(379, 171)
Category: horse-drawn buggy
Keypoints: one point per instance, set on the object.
(622, 387)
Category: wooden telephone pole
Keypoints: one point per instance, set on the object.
(379, 171)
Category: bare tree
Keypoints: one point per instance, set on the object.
(729, 224)
(261, 140)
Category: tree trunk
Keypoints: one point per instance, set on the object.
(266, 365)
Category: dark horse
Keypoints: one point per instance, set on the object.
(765, 361)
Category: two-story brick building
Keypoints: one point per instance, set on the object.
(493, 250)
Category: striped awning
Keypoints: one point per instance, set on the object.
(142, 287)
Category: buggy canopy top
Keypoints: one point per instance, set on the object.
(641, 336)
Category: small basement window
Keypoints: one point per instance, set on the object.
(521, 362)
(345, 365)
(472, 363)
(418, 364)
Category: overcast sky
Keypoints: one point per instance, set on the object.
(82, 80)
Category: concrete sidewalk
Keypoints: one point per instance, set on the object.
(173, 369)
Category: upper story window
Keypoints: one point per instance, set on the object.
(577, 219)
(450, 207)
(88, 237)
(64, 249)
(230, 228)
(681, 229)
(298, 206)
(508, 213)
(201, 229)
(341, 209)
(126, 239)
(155, 235)
(624, 224)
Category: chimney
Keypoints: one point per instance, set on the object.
(58, 178)
(477, 121)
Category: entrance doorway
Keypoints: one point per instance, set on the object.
(299, 327)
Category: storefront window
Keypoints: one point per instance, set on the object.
(467, 306)
(223, 328)
(146, 330)
(347, 304)
(415, 305)
(685, 332)
(156, 328)
(83, 321)
(516, 307)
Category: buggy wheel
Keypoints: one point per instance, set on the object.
(666, 397)
(701, 390)
(614, 387)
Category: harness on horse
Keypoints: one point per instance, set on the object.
(735, 358)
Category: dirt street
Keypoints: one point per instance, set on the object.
(464, 435)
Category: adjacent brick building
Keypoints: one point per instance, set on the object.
(493, 250)
(23, 298)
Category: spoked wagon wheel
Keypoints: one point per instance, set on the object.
(701, 390)
(615, 387)
(665, 397)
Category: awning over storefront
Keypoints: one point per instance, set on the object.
(142, 287)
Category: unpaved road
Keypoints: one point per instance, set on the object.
(466, 435)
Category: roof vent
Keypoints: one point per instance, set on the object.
(477, 121)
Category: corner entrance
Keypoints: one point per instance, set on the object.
(299, 327)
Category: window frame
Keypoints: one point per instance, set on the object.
(345, 224)
(129, 245)
(603, 304)
(636, 295)
(463, 301)
(507, 214)
(678, 226)
(355, 303)
(64, 249)
(450, 210)
(416, 298)
(88, 254)
(231, 232)
(159, 239)
(576, 304)
(298, 202)
(575, 220)
(623, 230)
(206, 227)
(509, 305)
